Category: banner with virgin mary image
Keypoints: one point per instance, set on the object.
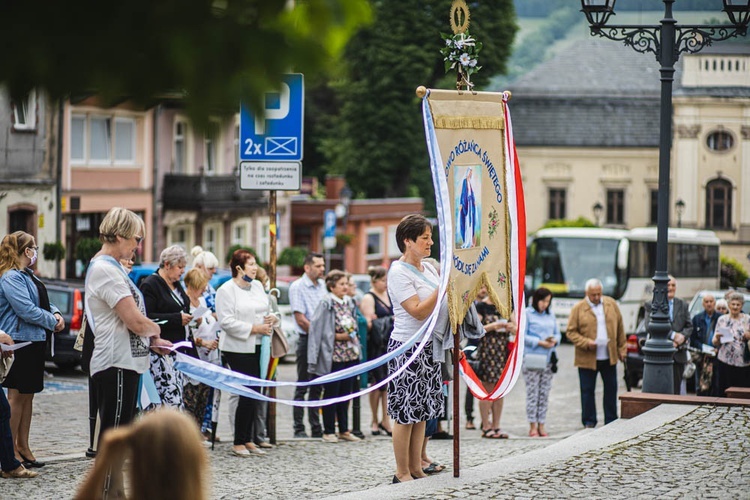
(480, 200)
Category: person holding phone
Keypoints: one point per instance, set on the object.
(542, 335)
(245, 316)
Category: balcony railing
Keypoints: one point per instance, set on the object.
(208, 193)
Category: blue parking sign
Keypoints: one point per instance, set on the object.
(275, 135)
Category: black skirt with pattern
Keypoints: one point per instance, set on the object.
(416, 394)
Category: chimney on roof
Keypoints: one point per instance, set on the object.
(334, 185)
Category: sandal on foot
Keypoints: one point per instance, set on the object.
(19, 473)
(488, 433)
(470, 425)
(500, 434)
(533, 433)
(433, 468)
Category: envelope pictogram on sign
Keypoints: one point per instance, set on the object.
(281, 146)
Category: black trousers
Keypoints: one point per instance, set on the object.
(245, 419)
(116, 392)
(299, 393)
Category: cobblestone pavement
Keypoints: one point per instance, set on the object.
(698, 452)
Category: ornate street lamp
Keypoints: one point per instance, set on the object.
(598, 209)
(667, 41)
(680, 209)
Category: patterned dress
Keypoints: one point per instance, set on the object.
(493, 347)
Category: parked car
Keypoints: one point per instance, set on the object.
(634, 358)
(68, 297)
(140, 271)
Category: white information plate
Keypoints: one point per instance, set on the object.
(270, 175)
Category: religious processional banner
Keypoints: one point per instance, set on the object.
(471, 147)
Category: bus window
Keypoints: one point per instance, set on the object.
(565, 264)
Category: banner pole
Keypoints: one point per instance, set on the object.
(271, 412)
(456, 399)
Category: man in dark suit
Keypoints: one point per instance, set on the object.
(682, 329)
(704, 324)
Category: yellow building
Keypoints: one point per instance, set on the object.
(586, 123)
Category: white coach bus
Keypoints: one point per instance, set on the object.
(563, 259)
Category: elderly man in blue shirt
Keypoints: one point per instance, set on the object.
(704, 324)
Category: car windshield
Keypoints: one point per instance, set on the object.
(563, 265)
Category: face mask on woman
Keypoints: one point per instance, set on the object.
(33, 257)
(247, 278)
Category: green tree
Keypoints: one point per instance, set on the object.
(732, 273)
(212, 53)
(374, 134)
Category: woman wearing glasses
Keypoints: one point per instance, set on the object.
(27, 316)
(116, 313)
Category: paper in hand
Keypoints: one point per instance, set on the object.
(199, 311)
(725, 333)
(14, 347)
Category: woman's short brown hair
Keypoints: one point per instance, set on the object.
(239, 259)
(376, 272)
(333, 277)
(411, 227)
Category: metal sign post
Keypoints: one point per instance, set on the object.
(270, 159)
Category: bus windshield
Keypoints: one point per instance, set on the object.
(563, 265)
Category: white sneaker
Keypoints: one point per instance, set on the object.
(330, 438)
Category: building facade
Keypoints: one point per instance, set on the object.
(197, 192)
(28, 171)
(586, 123)
(107, 161)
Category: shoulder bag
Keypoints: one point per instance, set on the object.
(535, 361)
(279, 344)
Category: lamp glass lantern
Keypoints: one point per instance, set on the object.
(598, 209)
(598, 11)
(738, 11)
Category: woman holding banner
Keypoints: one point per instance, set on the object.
(415, 395)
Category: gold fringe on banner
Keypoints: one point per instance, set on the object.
(469, 122)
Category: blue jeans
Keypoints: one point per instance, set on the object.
(587, 379)
(8, 460)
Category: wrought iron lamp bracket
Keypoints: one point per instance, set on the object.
(693, 39)
(642, 38)
(690, 39)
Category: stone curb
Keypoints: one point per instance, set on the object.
(582, 442)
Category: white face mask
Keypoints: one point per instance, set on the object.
(33, 257)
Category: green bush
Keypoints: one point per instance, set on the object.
(87, 248)
(292, 256)
(53, 251)
(579, 222)
(234, 248)
(732, 273)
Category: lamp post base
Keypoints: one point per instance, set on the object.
(658, 375)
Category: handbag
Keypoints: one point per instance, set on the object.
(279, 344)
(535, 361)
(5, 364)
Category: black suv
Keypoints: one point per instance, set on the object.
(68, 297)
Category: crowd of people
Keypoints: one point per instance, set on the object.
(135, 333)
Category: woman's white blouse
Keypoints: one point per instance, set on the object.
(238, 310)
